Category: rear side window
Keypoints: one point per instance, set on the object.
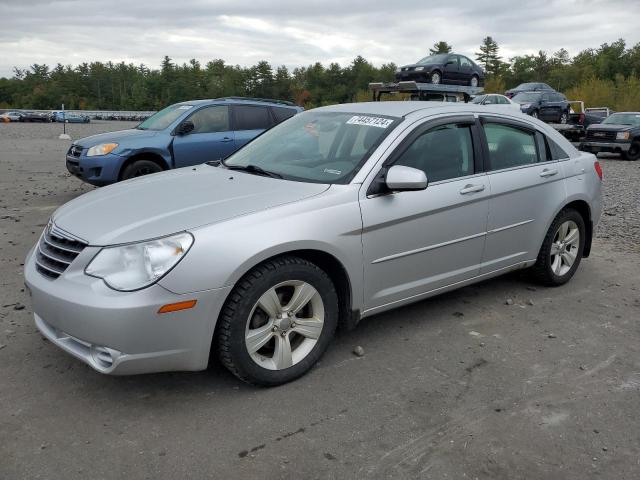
(442, 153)
(251, 117)
(556, 152)
(282, 113)
(502, 100)
(211, 119)
(510, 146)
(465, 62)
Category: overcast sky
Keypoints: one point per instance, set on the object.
(298, 32)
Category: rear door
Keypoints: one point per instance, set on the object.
(249, 121)
(417, 242)
(466, 70)
(452, 69)
(210, 139)
(526, 189)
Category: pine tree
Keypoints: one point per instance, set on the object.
(440, 47)
(488, 56)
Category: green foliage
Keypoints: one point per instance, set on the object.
(440, 47)
(605, 76)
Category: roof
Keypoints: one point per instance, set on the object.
(252, 101)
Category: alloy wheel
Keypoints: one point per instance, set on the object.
(474, 81)
(435, 78)
(284, 325)
(564, 249)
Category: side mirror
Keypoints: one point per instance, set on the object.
(400, 179)
(185, 127)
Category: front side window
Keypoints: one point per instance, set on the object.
(251, 117)
(442, 153)
(510, 146)
(211, 119)
(320, 147)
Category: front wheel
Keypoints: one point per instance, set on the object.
(140, 168)
(277, 322)
(561, 249)
(436, 78)
(633, 153)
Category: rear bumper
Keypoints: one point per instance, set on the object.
(613, 147)
(99, 171)
(122, 333)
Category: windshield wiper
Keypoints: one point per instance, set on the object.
(253, 169)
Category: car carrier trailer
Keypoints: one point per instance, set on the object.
(425, 91)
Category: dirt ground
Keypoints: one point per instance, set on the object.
(459, 386)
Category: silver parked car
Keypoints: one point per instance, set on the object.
(337, 214)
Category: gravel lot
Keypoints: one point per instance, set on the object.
(459, 386)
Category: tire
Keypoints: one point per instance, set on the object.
(140, 168)
(633, 153)
(243, 311)
(534, 114)
(475, 81)
(435, 77)
(552, 269)
(564, 118)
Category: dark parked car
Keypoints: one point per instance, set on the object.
(445, 68)
(528, 87)
(183, 134)
(618, 133)
(34, 117)
(547, 106)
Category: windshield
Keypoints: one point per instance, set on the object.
(624, 119)
(319, 147)
(164, 118)
(439, 58)
(526, 97)
(479, 99)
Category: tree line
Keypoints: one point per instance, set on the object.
(608, 75)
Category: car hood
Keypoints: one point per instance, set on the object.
(174, 201)
(426, 67)
(611, 127)
(119, 136)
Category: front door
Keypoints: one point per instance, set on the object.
(417, 242)
(526, 188)
(210, 139)
(452, 69)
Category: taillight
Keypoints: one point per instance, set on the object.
(598, 168)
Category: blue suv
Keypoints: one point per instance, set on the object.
(182, 134)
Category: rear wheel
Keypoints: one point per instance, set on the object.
(436, 77)
(277, 321)
(633, 153)
(564, 117)
(561, 249)
(140, 168)
(534, 114)
(474, 81)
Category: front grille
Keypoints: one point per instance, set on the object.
(597, 135)
(56, 251)
(75, 151)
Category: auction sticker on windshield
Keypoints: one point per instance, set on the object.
(370, 121)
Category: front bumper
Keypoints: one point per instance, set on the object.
(99, 171)
(122, 333)
(421, 76)
(612, 147)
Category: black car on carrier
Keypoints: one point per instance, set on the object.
(618, 133)
(443, 68)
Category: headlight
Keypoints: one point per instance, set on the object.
(102, 149)
(419, 69)
(398, 70)
(138, 265)
(622, 136)
(525, 105)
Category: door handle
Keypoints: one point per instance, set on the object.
(227, 139)
(471, 189)
(547, 172)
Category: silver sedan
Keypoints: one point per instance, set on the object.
(335, 215)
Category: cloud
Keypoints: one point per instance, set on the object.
(295, 33)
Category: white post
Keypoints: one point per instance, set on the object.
(63, 135)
